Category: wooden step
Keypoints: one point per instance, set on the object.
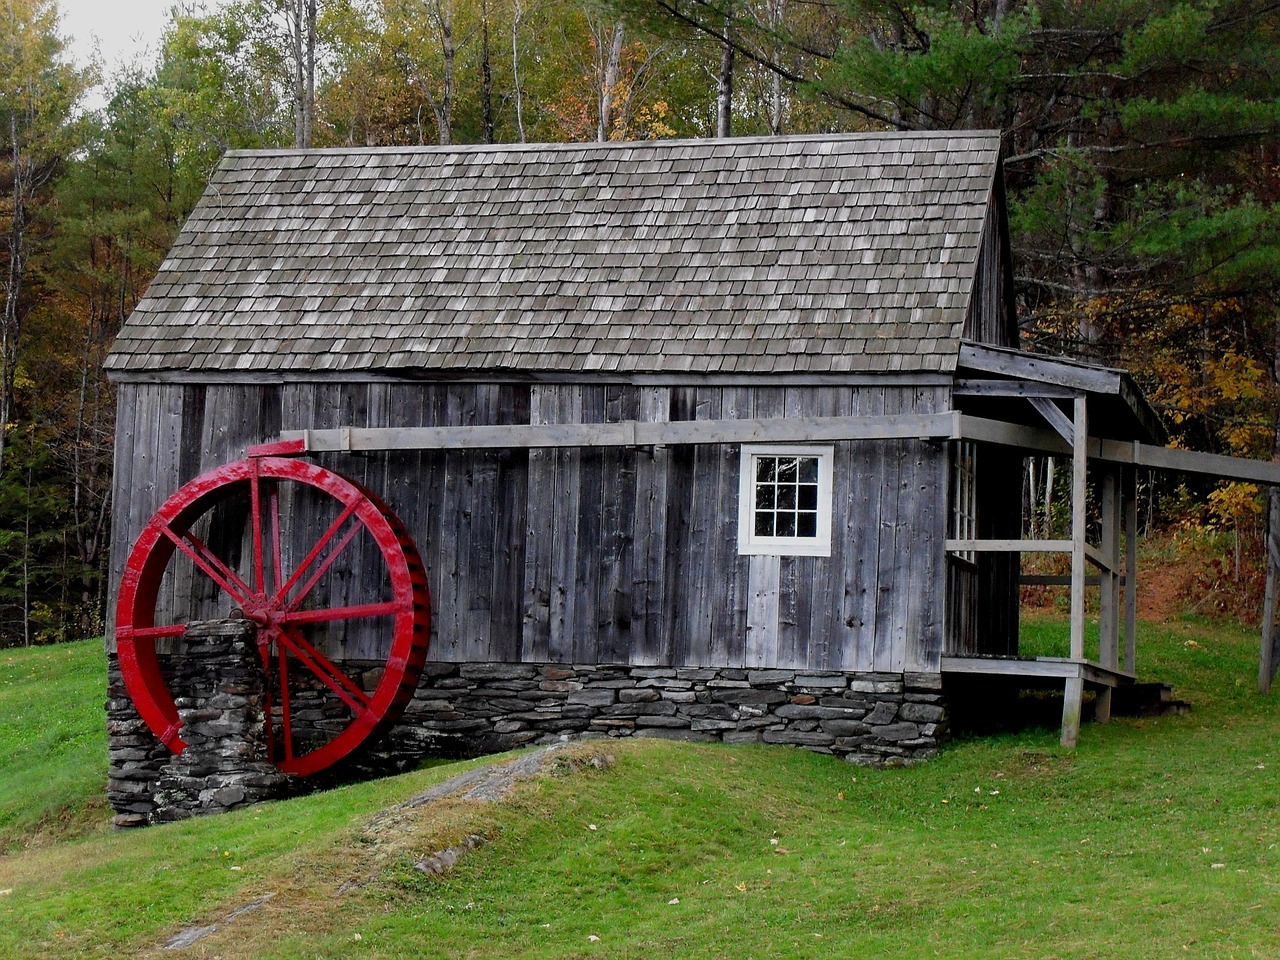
(1146, 700)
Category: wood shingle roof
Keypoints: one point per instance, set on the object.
(810, 254)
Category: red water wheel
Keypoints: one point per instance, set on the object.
(314, 560)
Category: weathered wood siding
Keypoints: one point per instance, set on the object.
(585, 555)
(989, 318)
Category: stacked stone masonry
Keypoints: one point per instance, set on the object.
(219, 689)
(478, 708)
(868, 718)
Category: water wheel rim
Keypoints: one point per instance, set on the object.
(163, 536)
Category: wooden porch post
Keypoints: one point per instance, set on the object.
(1109, 600)
(1130, 493)
(1074, 692)
(1270, 648)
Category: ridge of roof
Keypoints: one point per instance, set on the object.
(657, 145)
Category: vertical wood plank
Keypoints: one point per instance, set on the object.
(479, 546)
(890, 604)
(863, 531)
(566, 508)
(512, 482)
(455, 531)
(730, 610)
(926, 571)
(434, 516)
(762, 612)
(679, 586)
(586, 627)
(650, 635)
(123, 511)
(539, 532)
(702, 642)
(619, 548)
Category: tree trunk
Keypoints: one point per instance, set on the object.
(516, 13)
(486, 73)
(11, 321)
(777, 12)
(449, 54)
(298, 25)
(724, 85)
(608, 75)
(309, 100)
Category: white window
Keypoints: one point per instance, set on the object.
(964, 496)
(784, 501)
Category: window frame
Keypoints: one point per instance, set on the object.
(963, 520)
(752, 544)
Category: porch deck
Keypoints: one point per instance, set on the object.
(1074, 673)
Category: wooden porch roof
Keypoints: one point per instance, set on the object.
(989, 380)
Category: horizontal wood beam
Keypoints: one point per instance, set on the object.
(1120, 451)
(1029, 366)
(950, 425)
(1017, 435)
(1009, 546)
(1060, 580)
(1038, 667)
(975, 387)
(1187, 461)
(1092, 553)
(630, 433)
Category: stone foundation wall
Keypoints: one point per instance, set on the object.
(870, 718)
(477, 708)
(218, 691)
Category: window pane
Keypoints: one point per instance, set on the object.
(807, 525)
(808, 497)
(787, 469)
(808, 469)
(786, 525)
(764, 523)
(766, 497)
(786, 498)
(766, 469)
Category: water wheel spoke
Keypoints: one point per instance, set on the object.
(273, 508)
(325, 670)
(316, 550)
(328, 614)
(255, 522)
(209, 564)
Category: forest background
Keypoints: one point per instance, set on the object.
(1142, 157)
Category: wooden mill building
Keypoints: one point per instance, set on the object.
(715, 439)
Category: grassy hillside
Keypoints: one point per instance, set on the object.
(1158, 837)
(53, 742)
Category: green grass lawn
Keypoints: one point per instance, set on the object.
(1157, 837)
(53, 742)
